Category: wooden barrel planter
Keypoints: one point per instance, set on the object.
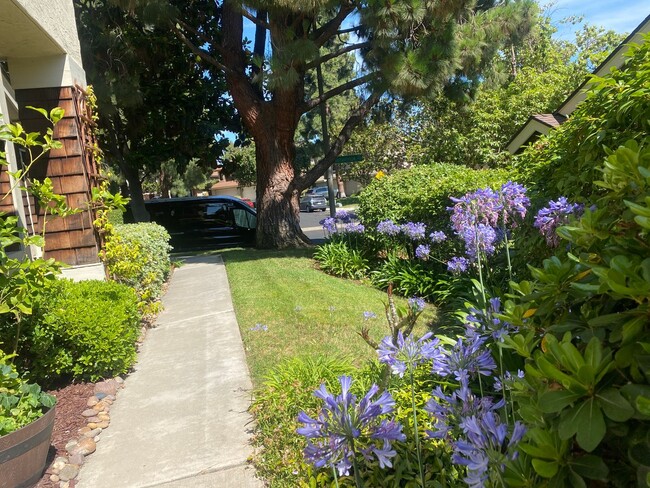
(23, 453)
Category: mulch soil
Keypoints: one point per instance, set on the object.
(70, 402)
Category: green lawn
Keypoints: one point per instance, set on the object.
(306, 311)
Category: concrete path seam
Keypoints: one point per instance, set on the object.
(200, 473)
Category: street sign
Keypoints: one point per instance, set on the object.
(349, 158)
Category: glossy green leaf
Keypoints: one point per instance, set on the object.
(555, 401)
(590, 425)
(546, 469)
(614, 405)
(590, 466)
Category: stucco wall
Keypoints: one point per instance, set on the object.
(56, 17)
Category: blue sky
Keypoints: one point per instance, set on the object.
(617, 15)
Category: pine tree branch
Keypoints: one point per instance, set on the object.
(255, 19)
(353, 121)
(335, 54)
(350, 29)
(195, 50)
(315, 102)
(328, 30)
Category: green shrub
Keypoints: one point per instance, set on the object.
(339, 259)
(287, 390)
(409, 278)
(585, 335)
(85, 331)
(137, 255)
(421, 194)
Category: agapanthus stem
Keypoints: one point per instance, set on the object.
(505, 234)
(503, 383)
(336, 478)
(415, 428)
(357, 475)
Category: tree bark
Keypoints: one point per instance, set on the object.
(138, 209)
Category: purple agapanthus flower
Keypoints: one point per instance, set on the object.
(449, 411)
(346, 216)
(406, 353)
(367, 315)
(486, 322)
(329, 225)
(507, 380)
(487, 445)
(422, 251)
(479, 207)
(457, 265)
(416, 304)
(466, 359)
(513, 201)
(556, 214)
(414, 230)
(479, 238)
(353, 228)
(437, 236)
(345, 428)
(388, 227)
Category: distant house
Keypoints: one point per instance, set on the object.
(223, 186)
(40, 65)
(540, 124)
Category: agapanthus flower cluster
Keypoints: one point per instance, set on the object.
(513, 201)
(556, 214)
(388, 227)
(481, 218)
(414, 230)
(449, 411)
(367, 315)
(345, 428)
(437, 236)
(467, 359)
(486, 322)
(329, 225)
(480, 238)
(422, 251)
(353, 228)
(406, 353)
(487, 444)
(416, 304)
(457, 265)
(346, 216)
(479, 207)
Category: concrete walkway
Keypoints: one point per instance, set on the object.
(181, 420)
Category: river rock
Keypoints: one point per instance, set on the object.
(68, 472)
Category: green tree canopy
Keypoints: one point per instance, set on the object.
(157, 103)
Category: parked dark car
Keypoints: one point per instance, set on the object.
(204, 222)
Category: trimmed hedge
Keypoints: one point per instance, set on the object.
(85, 331)
(421, 194)
(138, 256)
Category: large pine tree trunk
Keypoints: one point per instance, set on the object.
(278, 201)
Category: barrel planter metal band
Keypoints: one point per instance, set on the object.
(23, 453)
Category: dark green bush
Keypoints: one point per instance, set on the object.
(338, 258)
(422, 193)
(85, 331)
(138, 256)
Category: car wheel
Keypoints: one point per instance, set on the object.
(309, 209)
